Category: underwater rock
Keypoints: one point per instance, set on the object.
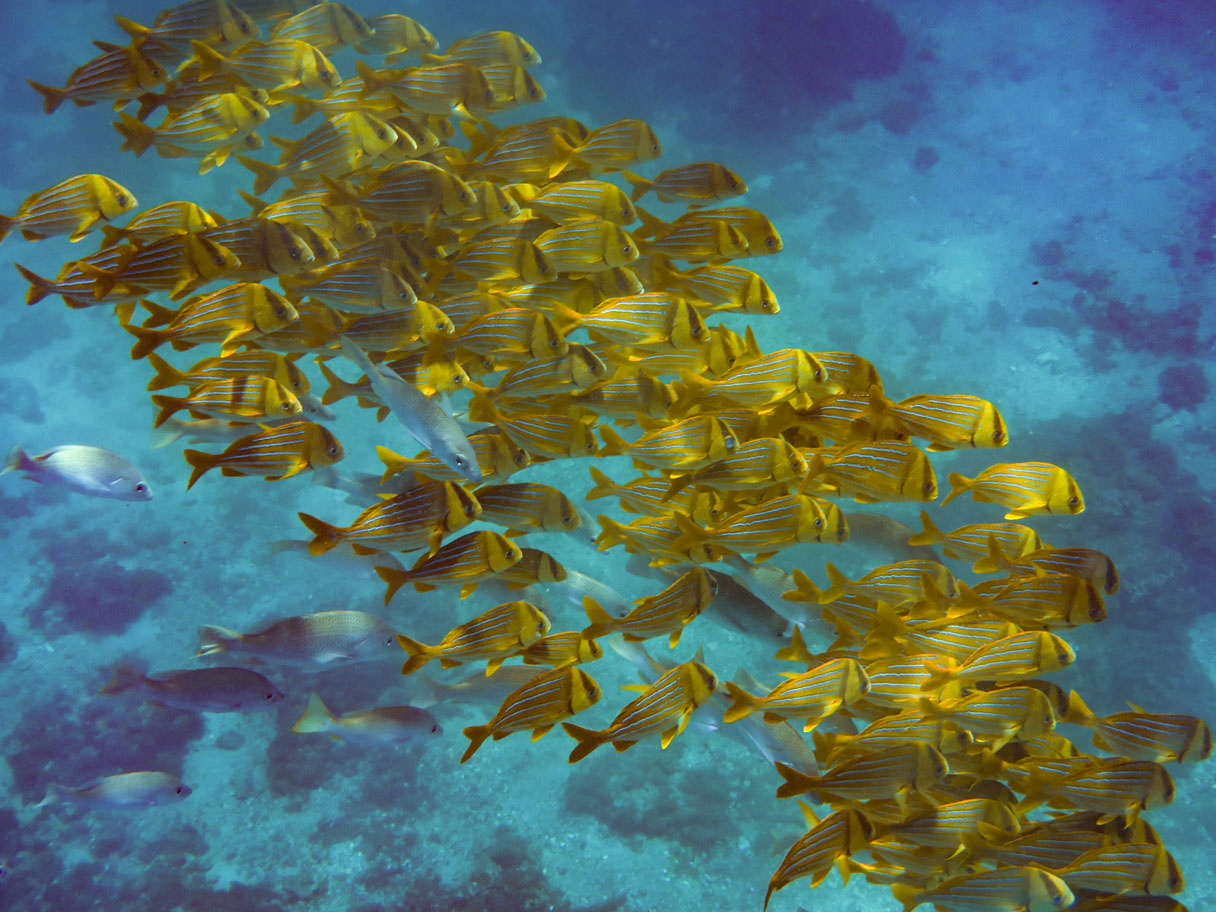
(1183, 387)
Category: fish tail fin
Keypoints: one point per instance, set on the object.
(419, 654)
(325, 535)
(39, 287)
(210, 60)
(588, 740)
(166, 374)
(215, 639)
(132, 28)
(689, 390)
(51, 98)
(678, 484)
(394, 462)
(316, 717)
(164, 435)
(691, 534)
(601, 621)
(938, 678)
(53, 791)
(652, 225)
(929, 535)
(148, 102)
(958, 484)
(614, 443)
(338, 390)
(906, 894)
(6, 226)
(395, 579)
(993, 561)
(338, 194)
(18, 461)
(167, 405)
(796, 783)
(264, 173)
(111, 235)
(837, 582)
(126, 677)
(477, 735)
(612, 533)
(641, 186)
(744, 703)
(481, 409)
(201, 463)
(146, 341)
(604, 486)
(136, 135)
(1078, 713)
(303, 107)
(805, 589)
(796, 651)
(158, 315)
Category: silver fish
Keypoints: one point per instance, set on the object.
(381, 725)
(140, 789)
(426, 422)
(313, 641)
(219, 689)
(85, 469)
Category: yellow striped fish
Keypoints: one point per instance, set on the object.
(666, 613)
(237, 364)
(363, 285)
(1027, 488)
(813, 695)
(516, 333)
(494, 635)
(230, 316)
(617, 145)
(394, 36)
(579, 369)
(724, 287)
(703, 240)
(1085, 563)
(448, 89)
(971, 542)
(346, 226)
(825, 845)
(896, 772)
(579, 201)
(655, 319)
(757, 464)
(271, 65)
(887, 732)
(537, 706)
(210, 129)
(1113, 788)
(72, 207)
(544, 435)
(273, 453)
(250, 399)
(591, 245)
(409, 191)
(663, 709)
(214, 22)
(761, 237)
(489, 48)
(1018, 889)
(700, 182)
(562, 649)
(176, 217)
(887, 470)
(1051, 600)
(326, 26)
(116, 75)
(497, 457)
(688, 444)
(895, 584)
(1141, 868)
(463, 562)
(418, 518)
(997, 717)
(1022, 655)
(768, 379)
(764, 528)
(527, 506)
(1141, 735)
(950, 422)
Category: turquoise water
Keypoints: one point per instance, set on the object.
(1014, 201)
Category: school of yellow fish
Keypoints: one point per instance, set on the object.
(448, 257)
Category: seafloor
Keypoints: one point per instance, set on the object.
(1012, 200)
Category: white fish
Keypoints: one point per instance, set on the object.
(86, 469)
(140, 789)
(422, 418)
(313, 641)
(218, 689)
(381, 725)
(577, 586)
(341, 557)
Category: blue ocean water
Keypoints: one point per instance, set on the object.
(1014, 201)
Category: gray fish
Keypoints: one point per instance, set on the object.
(219, 689)
(426, 422)
(736, 608)
(141, 789)
(341, 557)
(381, 725)
(310, 641)
(86, 469)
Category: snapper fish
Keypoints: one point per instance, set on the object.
(664, 614)
(240, 312)
(700, 182)
(494, 635)
(433, 428)
(117, 75)
(380, 725)
(1015, 889)
(310, 641)
(826, 844)
(145, 788)
(218, 689)
(250, 399)
(1140, 735)
(85, 469)
(72, 207)
(210, 129)
(175, 217)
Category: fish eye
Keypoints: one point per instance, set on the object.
(381, 134)
(998, 436)
(218, 259)
(818, 375)
(1074, 501)
(819, 523)
(270, 695)
(360, 229)
(766, 306)
(927, 488)
(435, 728)
(654, 147)
(462, 196)
(141, 487)
(333, 451)
(293, 252)
(280, 311)
(625, 249)
(695, 332)
(732, 185)
(521, 458)
(770, 241)
(121, 198)
(179, 789)
(553, 343)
